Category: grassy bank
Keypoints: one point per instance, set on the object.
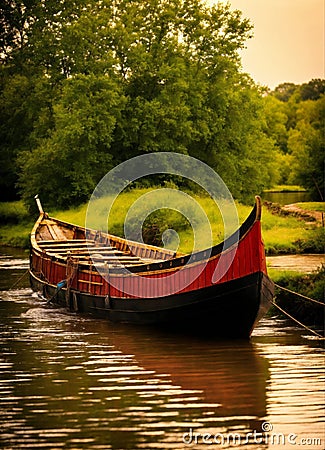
(310, 285)
(286, 188)
(280, 234)
(15, 224)
(312, 206)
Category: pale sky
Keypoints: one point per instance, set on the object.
(288, 42)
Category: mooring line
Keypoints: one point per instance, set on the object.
(319, 336)
(299, 295)
(19, 279)
(59, 286)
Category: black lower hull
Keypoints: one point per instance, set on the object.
(226, 310)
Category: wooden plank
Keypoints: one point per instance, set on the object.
(81, 254)
(68, 249)
(58, 231)
(66, 241)
(43, 233)
(113, 258)
(116, 265)
(104, 258)
(54, 229)
(90, 282)
(115, 262)
(76, 246)
(52, 232)
(69, 245)
(92, 248)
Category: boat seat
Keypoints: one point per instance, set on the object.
(57, 242)
(84, 252)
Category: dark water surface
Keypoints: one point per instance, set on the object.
(286, 198)
(71, 382)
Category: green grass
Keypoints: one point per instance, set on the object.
(15, 224)
(312, 206)
(286, 188)
(73, 215)
(164, 219)
(13, 212)
(278, 275)
(281, 234)
(310, 285)
(15, 235)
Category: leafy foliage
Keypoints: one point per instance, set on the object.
(89, 84)
(76, 154)
(295, 120)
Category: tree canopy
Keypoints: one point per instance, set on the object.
(296, 117)
(86, 85)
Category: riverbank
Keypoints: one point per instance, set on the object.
(282, 234)
(309, 212)
(303, 263)
(308, 306)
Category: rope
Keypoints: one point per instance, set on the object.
(59, 286)
(19, 279)
(319, 336)
(299, 295)
(71, 271)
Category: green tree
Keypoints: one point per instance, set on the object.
(312, 90)
(295, 120)
(243, 154)
(170, 55)
(32, 34)
(276, 121)
(25, 117)
(76, 155)
(284, 91)
(111, 80)
(33, 65)
(306, 146)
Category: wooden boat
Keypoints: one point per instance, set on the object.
(221, 291)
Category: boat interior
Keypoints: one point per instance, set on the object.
(62, 240)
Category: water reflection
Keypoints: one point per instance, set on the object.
(65, 378)
(286, 198)
(14, 264)
(229, 375)
(67, 381)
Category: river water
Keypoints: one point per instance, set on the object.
(72, 382)
(286, 198)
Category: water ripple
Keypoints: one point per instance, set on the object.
(68, 381)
